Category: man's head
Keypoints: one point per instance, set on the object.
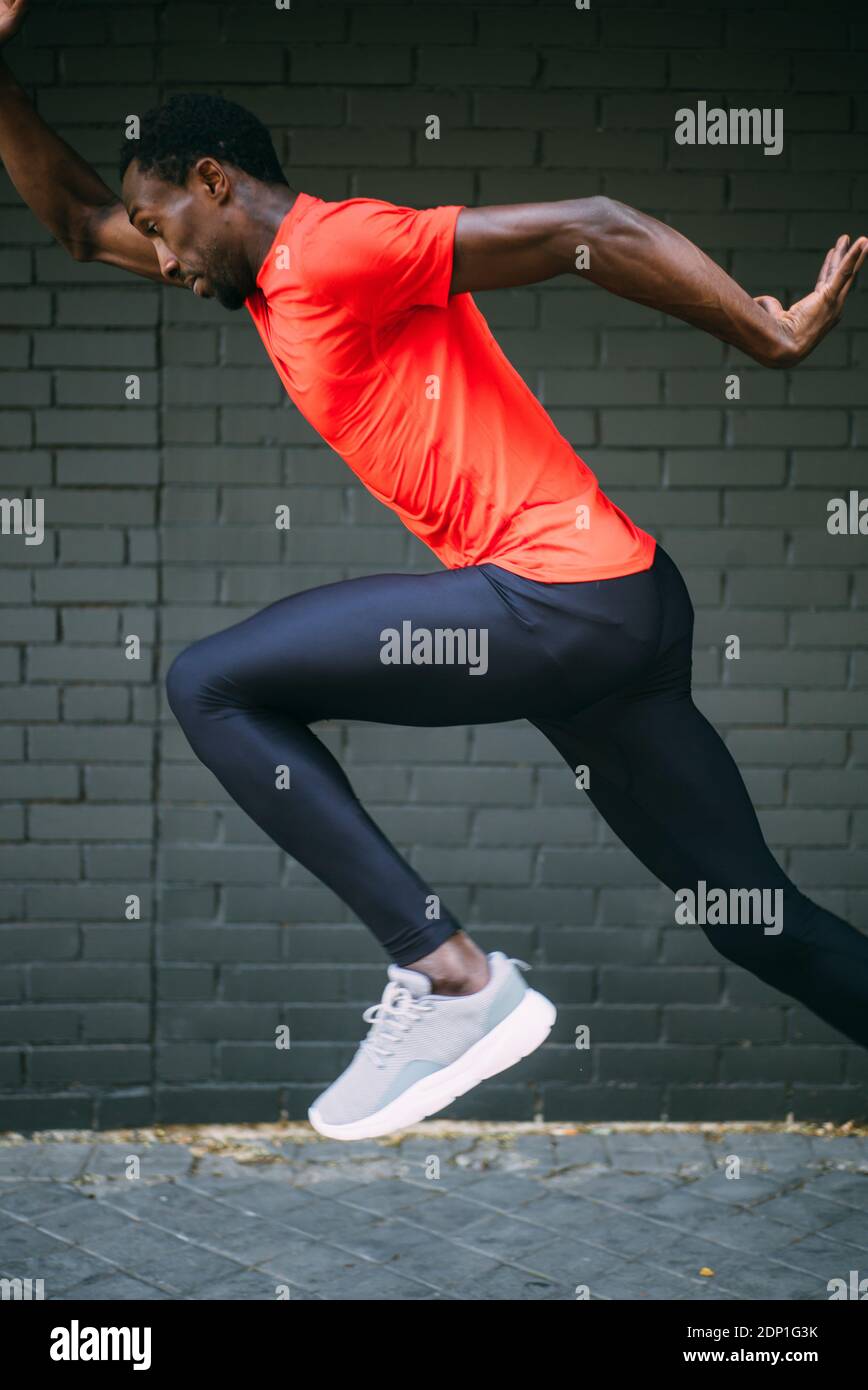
(188, 184)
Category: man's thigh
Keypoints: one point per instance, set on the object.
(432, 649)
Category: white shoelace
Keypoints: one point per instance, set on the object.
(402, 1009)
(399, 1008)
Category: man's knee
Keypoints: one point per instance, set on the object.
(186, 679)
(745, 944)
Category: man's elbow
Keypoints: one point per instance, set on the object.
(594, 216)
(78, 238)
(78, 250)
(600, 222)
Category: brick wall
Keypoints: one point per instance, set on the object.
(160, 524)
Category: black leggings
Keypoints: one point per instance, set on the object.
(602, 668)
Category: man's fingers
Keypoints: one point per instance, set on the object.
(846, 267)
(844, 276)
(825, 268)
(833, 259)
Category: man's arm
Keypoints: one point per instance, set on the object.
(66, 194)
(642, 259)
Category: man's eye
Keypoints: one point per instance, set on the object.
(151, 229)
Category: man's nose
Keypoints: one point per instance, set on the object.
(169, 263)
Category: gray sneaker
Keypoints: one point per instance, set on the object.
(425, 1049)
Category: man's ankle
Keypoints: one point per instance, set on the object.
(457, 967)
(471, 983)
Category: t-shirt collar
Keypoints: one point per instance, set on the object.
(300, 198)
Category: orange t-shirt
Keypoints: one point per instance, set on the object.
(407, 385)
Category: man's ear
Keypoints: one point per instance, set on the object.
(214, 177)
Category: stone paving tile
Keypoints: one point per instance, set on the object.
(392, 1240)
(851, 1188)
(185, 1268)
(261, 1199)
(40, 1197)
(705, 1292)
(170, 1206)
(304, 1263)
(569, 1262)
(23, 1242)
(646, 1161)
(638, 1282)
(538, 1150)
(463, 1265)
(379, 1284)
(226, 1168)
(383, 1197)
(84, 1223)
(588, 1215)
(850, 1230)
(632, 1215)
(325, 1185)
(58, 1161)
(841, 1149)
(827, 1259)
(580, 1148)
(316, 1267)
(157, 1160)
(442, 1213)
(62, 1270)
(334, 1222)
(455, 1181)
(506, 1282)
(250, 1285)
(681, 1208)
(689, 1255)
(500, 1236)
(131, 1246)
(554, 1210)
(505, 1191)
(751, 1276)
(745, 1190)
(627, 1235)
(614, 1187)
(803, 1210)
(745, 1230)
(109, 1287)
(248, 1239)
(138, 1199)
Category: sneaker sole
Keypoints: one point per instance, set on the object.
(515, 1037)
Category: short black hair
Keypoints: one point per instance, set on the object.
(193, 124)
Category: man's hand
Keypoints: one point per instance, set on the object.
(65, 193)
(11, 15)
(643, 259)
(807, 321)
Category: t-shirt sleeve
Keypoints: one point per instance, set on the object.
(379, 260)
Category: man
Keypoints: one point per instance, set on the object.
(553, 605)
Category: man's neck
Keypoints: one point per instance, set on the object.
(273, 202)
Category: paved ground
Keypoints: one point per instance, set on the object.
(450, 1212)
